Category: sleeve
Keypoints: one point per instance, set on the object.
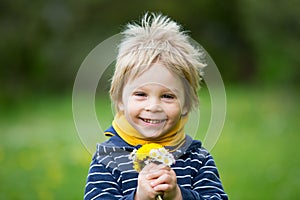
(207, 183)
(102, 184)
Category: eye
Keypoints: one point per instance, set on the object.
(168, 96)
(140, 94)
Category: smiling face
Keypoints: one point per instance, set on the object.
(153, 102)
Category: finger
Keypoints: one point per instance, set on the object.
(149, 167)
(159, 172)
(144, 189)
(156, 174)
(146, 170)
(160, 167)
(163, 187)
(164, 178)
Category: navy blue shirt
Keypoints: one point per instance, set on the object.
(111, 174)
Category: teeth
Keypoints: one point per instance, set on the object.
(153, 121)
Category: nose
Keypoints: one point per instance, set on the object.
(153, 105)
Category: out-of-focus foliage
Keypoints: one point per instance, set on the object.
(44, 42)
(273, 29)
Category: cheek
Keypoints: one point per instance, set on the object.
(132, 107)
(174, 111)
(126, 103)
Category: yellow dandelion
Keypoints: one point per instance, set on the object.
(145, 149)
(137, 166)
(150, 153)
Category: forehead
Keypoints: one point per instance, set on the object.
(157, 74)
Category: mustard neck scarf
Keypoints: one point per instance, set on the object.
(174, 138)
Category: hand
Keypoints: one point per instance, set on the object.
(144, 190)
(163, 179)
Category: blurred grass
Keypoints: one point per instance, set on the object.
(258, 150)
(41, 156)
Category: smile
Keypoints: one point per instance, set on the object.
(153, 121)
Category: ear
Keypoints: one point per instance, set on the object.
(184, 111)
(120, 105)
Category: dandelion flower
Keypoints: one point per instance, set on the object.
(148, 153)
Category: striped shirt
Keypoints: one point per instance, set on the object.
(111, 175)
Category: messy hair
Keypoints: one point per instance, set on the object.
(157, 39)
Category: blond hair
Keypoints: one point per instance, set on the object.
(157, 39)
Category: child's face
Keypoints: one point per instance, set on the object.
(153, 102)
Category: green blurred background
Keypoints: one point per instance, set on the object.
(255, 45)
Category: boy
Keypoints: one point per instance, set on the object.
(154, 88)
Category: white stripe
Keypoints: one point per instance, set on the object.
(107, 189)
(96, 165)
(209, 160)
(110, 162)
(99, 173)
(184, 168)
(113, 171)
(102, 160)
(89, 192)
(201, 155)
(126, 163)
(204, 151)
(129, 190)
(185, 176)
(209, 172)
(121, 156)
(128, 171)
(206, 179)
(208, 187)
(104, 194)
(119, 179)
(186, 185)
(128, 180)
(98, 182)
(212, 196)
(209, 167)
(189, 159)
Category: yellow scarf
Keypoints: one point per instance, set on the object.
(174, 138)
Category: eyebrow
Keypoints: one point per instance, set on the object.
(174, 90)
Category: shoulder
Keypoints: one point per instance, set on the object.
(113, 145)
(113, 153)
(194, 154)
(193, 161)
(191, 148)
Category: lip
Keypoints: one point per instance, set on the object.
(152, 122)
